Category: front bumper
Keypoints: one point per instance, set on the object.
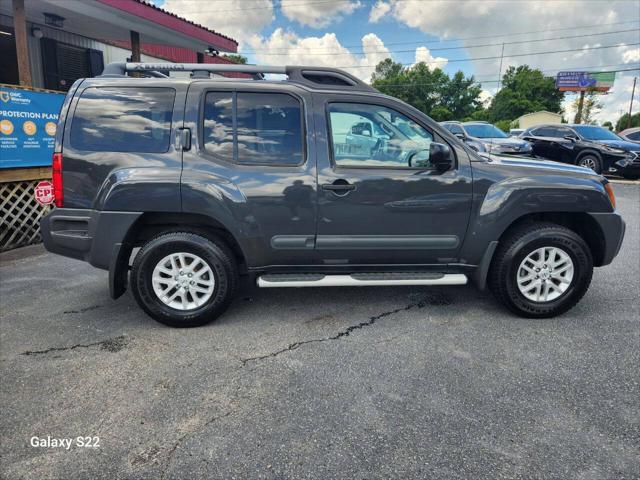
(613, 228)
(89, 235)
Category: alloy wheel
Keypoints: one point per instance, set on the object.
(183, 281)
(545, 274)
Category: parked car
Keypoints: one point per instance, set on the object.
(631, 134)
(589, 146)
(206, 182)
(484, 137)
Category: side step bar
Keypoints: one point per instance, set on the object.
(360, 279)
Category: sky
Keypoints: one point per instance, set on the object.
(450, 34)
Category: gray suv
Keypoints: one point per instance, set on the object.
(185, 188)
(485, 137)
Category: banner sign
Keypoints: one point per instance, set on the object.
(585, 81)
(28, 123)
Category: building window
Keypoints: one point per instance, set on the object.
(123, 120)
(63, 64)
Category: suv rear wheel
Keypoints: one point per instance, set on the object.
(183, 279)
(541, 270)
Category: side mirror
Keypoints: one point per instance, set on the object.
(420, 159)
(366, 133)
(459, 135)
(573, 138)
(440, 156)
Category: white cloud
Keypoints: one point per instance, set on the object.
(464, 19)
(424, 55)
(631, 55)
(317, 15)
(229, 17)
(485, 18)
(294, 50)
(379, 10)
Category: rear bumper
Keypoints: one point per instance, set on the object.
(613, 229)
(88, 235)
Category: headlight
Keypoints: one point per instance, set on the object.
(614, 150)
(490, 147)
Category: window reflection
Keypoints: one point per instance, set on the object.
(218, 124)
(269, 129)
(372, 135)
(123, 119)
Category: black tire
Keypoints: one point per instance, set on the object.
(592, 160)
(216, 255)
(517, 246)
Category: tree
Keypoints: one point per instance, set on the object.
(623, 121)
(431, 91)
(524, 90)
(608, 125)
(590, 107)
(236, 58)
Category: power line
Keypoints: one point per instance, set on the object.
(271, 6)
(497, 35)
(461, 48)
(455, 60)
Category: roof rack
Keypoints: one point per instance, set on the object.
(314, 77)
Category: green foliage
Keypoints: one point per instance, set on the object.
(431, 91)
(623, 121)
(236, 58)
(608, 125)
(524, 90)
(504, 125)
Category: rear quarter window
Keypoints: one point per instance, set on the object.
(123, 119)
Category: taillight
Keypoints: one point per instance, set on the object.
(56, 171)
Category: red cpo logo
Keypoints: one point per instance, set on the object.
(44, 193)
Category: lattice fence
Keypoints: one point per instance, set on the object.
(20, 214)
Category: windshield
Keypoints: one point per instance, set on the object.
(596, 133)
(484, 131)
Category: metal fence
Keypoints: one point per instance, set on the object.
(20, 214)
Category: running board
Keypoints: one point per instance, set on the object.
(360, 279)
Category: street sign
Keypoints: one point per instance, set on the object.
(585, 81)
(44, 193)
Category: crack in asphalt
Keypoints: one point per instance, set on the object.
(343, 333)
(111, 345)
(181, 439)
(82, 310)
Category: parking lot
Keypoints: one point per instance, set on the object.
(320, 383)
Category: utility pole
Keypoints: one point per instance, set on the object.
(500, 71)
(578, 118)
(633, 91)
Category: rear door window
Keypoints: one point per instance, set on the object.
(254, 128)
(269, 129)
(123, 119)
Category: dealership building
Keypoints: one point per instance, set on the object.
(46, 45)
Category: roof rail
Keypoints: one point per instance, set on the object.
(315, 77)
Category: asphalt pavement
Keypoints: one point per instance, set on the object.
(354, 383)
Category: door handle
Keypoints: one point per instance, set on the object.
(339, 187)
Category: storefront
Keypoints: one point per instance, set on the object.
(46, 45)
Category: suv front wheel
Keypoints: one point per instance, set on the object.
(183, 279)
(541, 270)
